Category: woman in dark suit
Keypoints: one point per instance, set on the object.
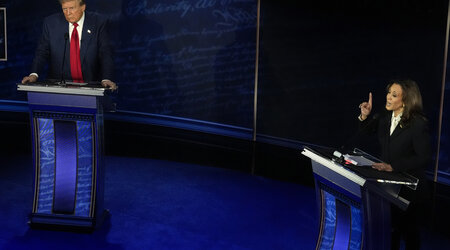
(405, 147)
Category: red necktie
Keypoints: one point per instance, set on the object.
(75, 62)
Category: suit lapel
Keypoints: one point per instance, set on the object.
(86, 36)
(387, 125)
(397, 131)
(63, 28)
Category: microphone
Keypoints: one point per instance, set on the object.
(63, 81)
(338, 157)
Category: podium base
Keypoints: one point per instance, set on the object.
(66, 222)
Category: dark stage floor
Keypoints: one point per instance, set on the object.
(156, 204)
(171, 190)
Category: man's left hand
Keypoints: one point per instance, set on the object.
(109, 84)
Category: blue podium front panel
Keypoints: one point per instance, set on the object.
(341, 219)
(65, 164)
(67, 134)
(354, 212)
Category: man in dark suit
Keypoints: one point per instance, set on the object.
(88, 55)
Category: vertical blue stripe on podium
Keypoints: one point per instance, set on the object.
(46, 165)
(85, 167)
(343, 217)
(65, 166)
(357, 231)
(329, 220)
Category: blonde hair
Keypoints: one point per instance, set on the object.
(82, 2)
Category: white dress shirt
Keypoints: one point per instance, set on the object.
(394, 121)
(79, 28)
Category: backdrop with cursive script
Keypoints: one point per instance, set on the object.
(193, 59)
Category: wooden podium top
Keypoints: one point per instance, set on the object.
(68, 88)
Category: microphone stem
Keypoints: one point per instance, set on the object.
(66, 37)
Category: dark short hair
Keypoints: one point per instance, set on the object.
(82, 2)
(411, 97)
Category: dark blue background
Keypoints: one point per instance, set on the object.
(195, 59)
(320, 60)
(2, 33)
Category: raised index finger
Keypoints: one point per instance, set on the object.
(370, 99)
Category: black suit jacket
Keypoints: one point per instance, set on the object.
(95, 51)
(408, 149)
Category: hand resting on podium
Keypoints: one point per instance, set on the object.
(105, 83)
(29, 79)
(109, 84)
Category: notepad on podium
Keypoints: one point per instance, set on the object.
(363, 167)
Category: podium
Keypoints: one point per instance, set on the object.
(354, 203)
(67, 138)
